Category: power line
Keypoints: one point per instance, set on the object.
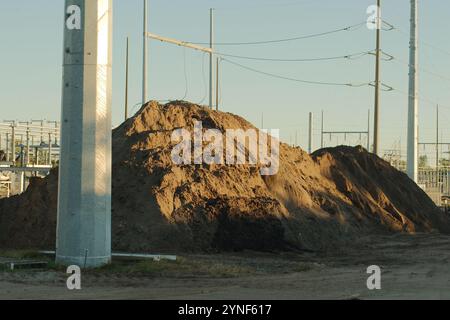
(348, 28)
(403, 62)
(185, 76)
(384, 87)
(265, 5)
(204, 80)
(424, 99)
(294, 79)
(406, 34)
(352, 56)
(423, 42)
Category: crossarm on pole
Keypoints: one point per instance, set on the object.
(177, 42)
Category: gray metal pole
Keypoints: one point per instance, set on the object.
(84, 202)
(413, 105)
(126, 82)
(13, 144)
(27, 151)
(211, 56)
(437, 137)
(321, 131)
(310, 140)
(144, 55)
(7, 147)
(376, 136)
(49, 149)
(217, 84)
(368, 132)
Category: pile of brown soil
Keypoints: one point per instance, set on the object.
(315, 202)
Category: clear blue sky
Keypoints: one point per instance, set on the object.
(31, 61)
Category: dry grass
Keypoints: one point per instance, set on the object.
(183, 267)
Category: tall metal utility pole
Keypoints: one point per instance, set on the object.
(376, 129)
(413, 104)
(321, 130)
(310, 136)
(368, 131)
(144, 55)
(211, 56)
(83, 235)
(126, 80)
(217, 84)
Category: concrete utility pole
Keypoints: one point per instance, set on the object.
(413, 104)
(310, 140)
(376, 129)
(144, 55)
(211, 56)
(84, 203)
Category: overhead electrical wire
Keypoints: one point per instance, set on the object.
(186, 88)
(406, 34)
(294, 79)
(352, 56)
(424, 99)
(205, 90)
(425, 70)
(385, 87)
(388, 56)
(321, 34)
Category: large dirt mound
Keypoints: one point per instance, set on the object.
(314, 202)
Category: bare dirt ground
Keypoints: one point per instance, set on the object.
(413, 267)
